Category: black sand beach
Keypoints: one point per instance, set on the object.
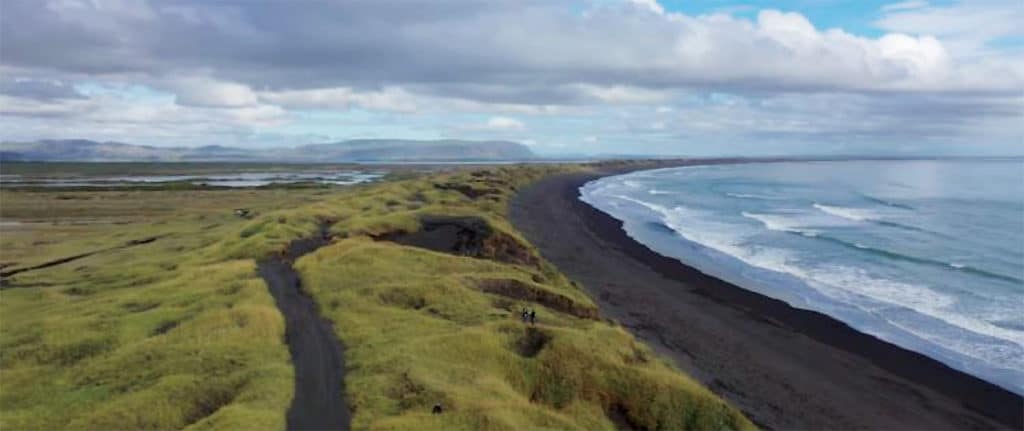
(786, 368)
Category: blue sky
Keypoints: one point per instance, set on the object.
(853, 16)
(588, 77)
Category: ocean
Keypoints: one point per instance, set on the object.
(928, 254)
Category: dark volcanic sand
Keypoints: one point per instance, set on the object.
(786, 368)
(319, 402)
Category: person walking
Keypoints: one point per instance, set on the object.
(525, 315)
(533, 317)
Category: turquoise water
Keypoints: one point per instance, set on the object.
(928, 255)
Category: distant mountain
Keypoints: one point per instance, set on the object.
(401, 150)
(357, 150)
(78, 150)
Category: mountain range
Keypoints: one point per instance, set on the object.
(356, 150)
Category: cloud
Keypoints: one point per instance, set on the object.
(401, 100)
(495, 126)
(904, 5)
(41, 90)
(965, 27)
(393, 99)
(113, 114)
(622, 94)
(207, 92)
(620, 70)
(362, 44)
(649, 5)
(29, 107)
(503, 124)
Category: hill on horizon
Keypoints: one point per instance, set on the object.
(355, 150)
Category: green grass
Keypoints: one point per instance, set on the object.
(159, 335)
(180, 332)
(419, 330)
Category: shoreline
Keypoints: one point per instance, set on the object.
(784, 367)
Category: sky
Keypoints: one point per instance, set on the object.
(589, 77)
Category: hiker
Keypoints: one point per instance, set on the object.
(525, 315)
(437, 409)
(533, 317)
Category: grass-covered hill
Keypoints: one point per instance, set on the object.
(423, 279)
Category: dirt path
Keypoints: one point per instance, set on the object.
(317, 355)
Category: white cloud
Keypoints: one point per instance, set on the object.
(18, 106)
(495, 124)
(482, 44)
(473, 106)
(616, 66)
(393, 99)
(504, 124)
(904, 5)
(923, 58)
(966, 27)
(622, 94)
(649, 5)
(260, 116)
(208, 92)
(120, 116)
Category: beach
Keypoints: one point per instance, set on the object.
(786, 368)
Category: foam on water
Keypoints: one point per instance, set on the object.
(748, 196)
(855, 214)
(781, 223)
(851, 285)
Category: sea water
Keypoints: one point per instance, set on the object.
(928, 255)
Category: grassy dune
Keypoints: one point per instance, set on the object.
(421, 327)
(179, 332)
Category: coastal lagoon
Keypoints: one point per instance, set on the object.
(928, 255)
(214, 179)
